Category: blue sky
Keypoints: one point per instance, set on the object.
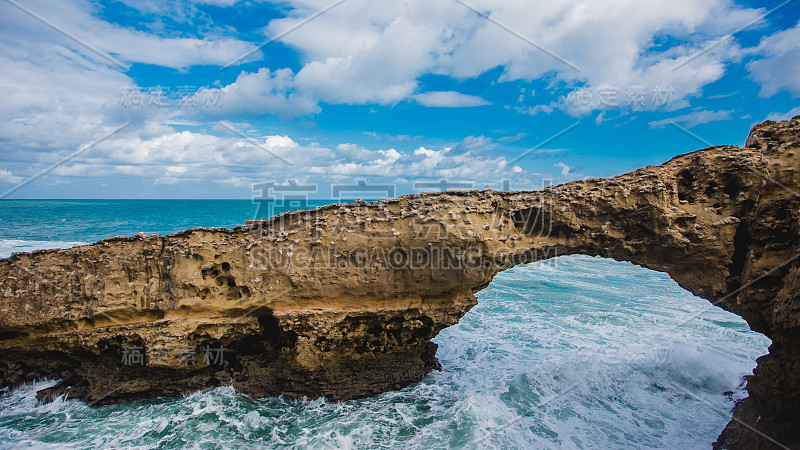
(182, 99)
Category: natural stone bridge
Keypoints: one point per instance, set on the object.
(343, 301)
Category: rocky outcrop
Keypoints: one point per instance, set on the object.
(343, 301)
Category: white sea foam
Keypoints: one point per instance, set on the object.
(9, 246)
(589, 353)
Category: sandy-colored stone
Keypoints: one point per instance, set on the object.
(343, 301)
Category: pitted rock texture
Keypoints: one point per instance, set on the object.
(343, 301)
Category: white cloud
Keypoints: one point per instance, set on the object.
(693, 119)
(367, 52)
(276, 142)
(363, 52)
(183, 160)
(600, 118)
(778, 116)
(449, 99)
(564, 169)
(514, 138)
(175, 9)
(473, 144)
(262, 93)
(76, 18)
(176, 157)
(779, 66)
(7, 177)
(59, 94)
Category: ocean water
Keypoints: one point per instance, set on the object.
(573, 352)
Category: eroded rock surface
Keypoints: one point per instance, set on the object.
(343, 301)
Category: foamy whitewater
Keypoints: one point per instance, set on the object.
(574, 352)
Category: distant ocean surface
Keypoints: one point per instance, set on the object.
(573, 352)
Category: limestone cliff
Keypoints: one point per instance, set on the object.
(343, 301)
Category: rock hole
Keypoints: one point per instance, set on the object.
(732, 187)
(685, 183)
(712, 188)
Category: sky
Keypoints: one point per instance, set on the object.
(214, 98)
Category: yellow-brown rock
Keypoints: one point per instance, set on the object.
(343, 301)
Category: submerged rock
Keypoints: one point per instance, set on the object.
(343, 301)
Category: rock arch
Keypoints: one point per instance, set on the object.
(343, 301)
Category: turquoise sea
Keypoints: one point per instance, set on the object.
(573, 352)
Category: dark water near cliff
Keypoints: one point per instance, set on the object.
(575, 352)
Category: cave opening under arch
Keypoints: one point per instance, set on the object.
(587, 351)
